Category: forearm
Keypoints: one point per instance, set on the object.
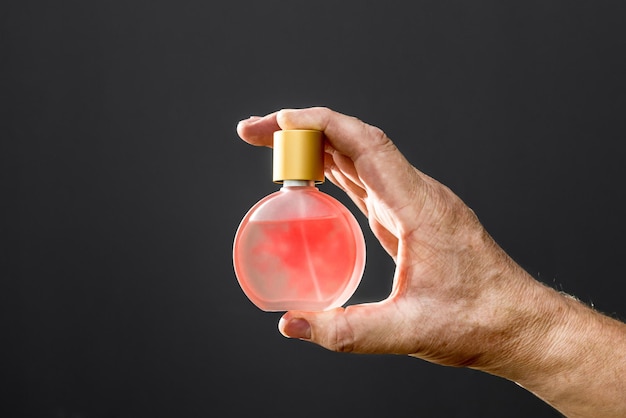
(569, 355)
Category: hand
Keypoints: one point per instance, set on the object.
(457, 298)
(449, 271)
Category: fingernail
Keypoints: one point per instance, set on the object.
(250, 119)
(295, 328)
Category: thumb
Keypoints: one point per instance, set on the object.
(364, 328)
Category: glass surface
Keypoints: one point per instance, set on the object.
(299, 249)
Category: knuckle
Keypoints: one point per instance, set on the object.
(341, 338)
(379, 139)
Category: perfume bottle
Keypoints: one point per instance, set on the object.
(298, 248)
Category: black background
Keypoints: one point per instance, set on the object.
(124, 182)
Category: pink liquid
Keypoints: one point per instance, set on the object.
(306, 264)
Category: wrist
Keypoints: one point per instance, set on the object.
(567, 354)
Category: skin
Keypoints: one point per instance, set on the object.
(457, 298)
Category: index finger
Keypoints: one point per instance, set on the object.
(348, 135)
(258, 130)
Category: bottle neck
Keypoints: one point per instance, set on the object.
(298, 183)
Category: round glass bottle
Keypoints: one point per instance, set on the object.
(298, 248)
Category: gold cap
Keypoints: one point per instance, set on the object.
(298, 155)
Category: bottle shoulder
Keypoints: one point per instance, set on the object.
(296, 203)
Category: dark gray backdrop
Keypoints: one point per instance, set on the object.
(124, 182)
